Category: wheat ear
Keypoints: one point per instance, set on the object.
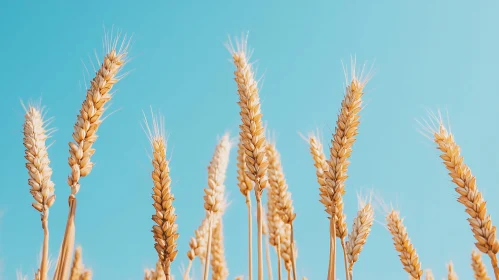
(218, 261)
(165, 230)
(36, 133)
(84, 135)
(252, 133)
(360, 231)
(77, 266)
(86, 275)
(245, 186)
(282, 197)
(403, 245)
(479, 269)
(429, 275)
(451, 274)
(214, 193)
(469, 195)
(341, 147)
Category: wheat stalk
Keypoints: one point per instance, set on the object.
(360, 231)
(84, 135)
(245, 186)
(218, 261)
(252, 132)
(265, 232)
(469, 195)
(340, 150)
(478, 266)
(451, 274)
(403, 245)
(165, 230)
(36, 133)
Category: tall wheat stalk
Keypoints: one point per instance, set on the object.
(36, 134)
(214, 194)
(165, 230)
(408, 256)
(267, 245)
(469, 195)
(84, 135)
(340, 150)
(245, 186)
(252, 132)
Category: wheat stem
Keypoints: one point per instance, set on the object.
(279, 276)
(63, 262)
(293, 255)
(188, 270)
(333, 237)
(208, 249)
(269, 261)
(250, 237)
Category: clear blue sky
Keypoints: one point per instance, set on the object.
(427, 54)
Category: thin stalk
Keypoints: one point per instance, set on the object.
(45, 250)
(493, 259)
(289, 274)
(331, 249)
(333, 236)
(345, 258)
(279, 258)
(293, 256)
(66, 252)
(269, 262)
(208, 249)
(260, 232)
(188, 270)
(250, 237)
(167, 273)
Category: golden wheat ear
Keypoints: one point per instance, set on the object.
(36, 133)
(479, 269)
(407, 253)
(165, 230)
(480, 221)
(87, 123)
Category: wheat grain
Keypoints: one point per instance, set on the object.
(479, 269)
(360, 231)
(36, 134)
(403, 245)
(469, 195)
(165, 230)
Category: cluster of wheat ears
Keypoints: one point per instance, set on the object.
(259, 171)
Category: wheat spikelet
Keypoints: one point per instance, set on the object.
(478, 266)
(86, 275)
(429, 275)
(38, 164)
(77, 266)
(451, 274)
(239, 277)
(218, 261)
(165, 230)
(403, 245)
(360, 231)
(469, 195)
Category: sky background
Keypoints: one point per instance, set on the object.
(426, 55)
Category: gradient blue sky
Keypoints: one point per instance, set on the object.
(427, 54)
